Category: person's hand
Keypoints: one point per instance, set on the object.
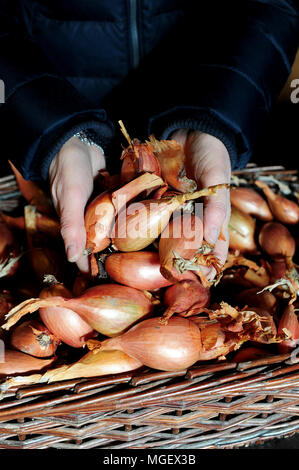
(208, 163)
(71, 174)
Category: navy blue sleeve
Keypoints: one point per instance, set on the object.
(41, 109)
(237, 58)
(219, 71)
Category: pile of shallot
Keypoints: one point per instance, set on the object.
(147, 300)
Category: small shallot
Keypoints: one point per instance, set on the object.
(289, 323)
(172, 157)
(170, 347)
(249, 201)
(283, 209)
(185, 298)
(32, 337)
(142, 222)
(241, 232)
(63, 322)
(139, 269)
(276, 240)
(108, 308)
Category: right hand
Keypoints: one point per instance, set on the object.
(72, 174)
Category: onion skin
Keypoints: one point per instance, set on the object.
(138, 158)
(241, 232)
(172, 157)
(17, 362)
(64, 323)
(44, 223)
(108, 308)
(249, 201)
(276, 240)
(265, 300)
(32, 337)
(95, 364)
(111, 308)
(101, 212)
(175, 239)
(99, 218)
(146, 182)
(186, 298)
(33, 194)
(139, 269)
(289, 320)
(284, 210)
(170, 347)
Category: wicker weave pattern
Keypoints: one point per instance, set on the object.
(223, 405)
(215, 406)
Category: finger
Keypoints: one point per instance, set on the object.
(83, 264)
(71, 209)
(221, 247)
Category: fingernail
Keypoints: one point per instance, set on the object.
(72, 254)
(213, 234)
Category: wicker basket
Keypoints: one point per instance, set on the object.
(214, 405)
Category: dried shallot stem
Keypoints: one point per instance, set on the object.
(182, 265)
(283, 282)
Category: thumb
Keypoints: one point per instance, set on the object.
(71, 210)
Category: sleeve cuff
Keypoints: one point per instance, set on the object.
(100, 132)
(165, 125)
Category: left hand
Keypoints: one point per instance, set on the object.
(208, 163)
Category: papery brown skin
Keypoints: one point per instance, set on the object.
(170, 347)
(251, 297)
(175, 238)
(171, 157)
(284, 210)
(32, 337)
(66, 324)
(289, 320)
(17, 362)
(276, 240)
(32, 192)
(186, 298)
(241, 232)
(138, 158)
(267, 320)
(44, 223)
(145, 183)
(249, 201)
(99, 218)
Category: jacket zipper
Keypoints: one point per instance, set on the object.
(134, 35)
